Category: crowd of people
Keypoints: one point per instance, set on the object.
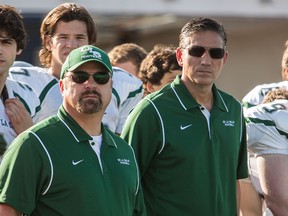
(132, 132)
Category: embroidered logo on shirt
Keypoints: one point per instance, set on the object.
(124, 161)
(183, 127)
(229, 123)
(76, 162)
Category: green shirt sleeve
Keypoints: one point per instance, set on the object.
(24, 174)
(139, 132)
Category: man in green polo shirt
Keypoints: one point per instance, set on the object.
(190, 137)
(70, 164)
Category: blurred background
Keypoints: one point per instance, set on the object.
(257, 31)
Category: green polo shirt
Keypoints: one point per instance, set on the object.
(51, 169)
(189, 162)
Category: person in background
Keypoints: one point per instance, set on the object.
(257, 94)
(76, 166)
(126, 59)
(63, 29)
(190, 137)
(159, 68)
(18, 102)
(267, 142)
(128, 56)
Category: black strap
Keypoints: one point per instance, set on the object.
(4, 94)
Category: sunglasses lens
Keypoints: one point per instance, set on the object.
(80, 77)
(101, 77)
(196, 51)
(217, 53)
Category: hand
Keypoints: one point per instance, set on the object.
(18, 115)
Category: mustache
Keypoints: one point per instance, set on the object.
(90, 92)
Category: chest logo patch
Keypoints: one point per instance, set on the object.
(124, 161)
(229, 123)
(183, 127)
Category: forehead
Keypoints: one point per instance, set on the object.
(71, 27)
(206, 39)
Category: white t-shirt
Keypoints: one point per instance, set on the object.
(96, 143)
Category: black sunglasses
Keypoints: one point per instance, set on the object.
(82, 76)
(198, 51)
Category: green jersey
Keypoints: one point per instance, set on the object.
(52, 169)
(189, 158)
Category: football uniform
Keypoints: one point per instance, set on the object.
(267, 133)
(126, 93)
(44, 85)
(30, 101)
(257, 94)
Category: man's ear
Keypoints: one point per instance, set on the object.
(19, 52)
(61, 86)
(179, 56)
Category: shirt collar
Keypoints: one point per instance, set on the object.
(78, 133)
(188, 102)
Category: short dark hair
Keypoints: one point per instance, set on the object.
(200, 25)
(11, 24)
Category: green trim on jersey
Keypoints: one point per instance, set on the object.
(46, 89)
(132, 94)
(189, 163)
(115, 93)
(23, 101)
(51, 169)
(247, 105)
(266, 123)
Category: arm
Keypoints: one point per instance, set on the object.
(273, 175)
(250, 201)
(8, 210)
(18, 115)
(238, 193)
(139, 209)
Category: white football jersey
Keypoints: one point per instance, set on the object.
(267, 128)
(127, 92)
(257, 94)
(44, 85)
(267, 133)
(30, 101)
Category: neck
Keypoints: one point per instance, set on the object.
(202, 94)
(91, 123)
(55, 71)
(3, 78)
